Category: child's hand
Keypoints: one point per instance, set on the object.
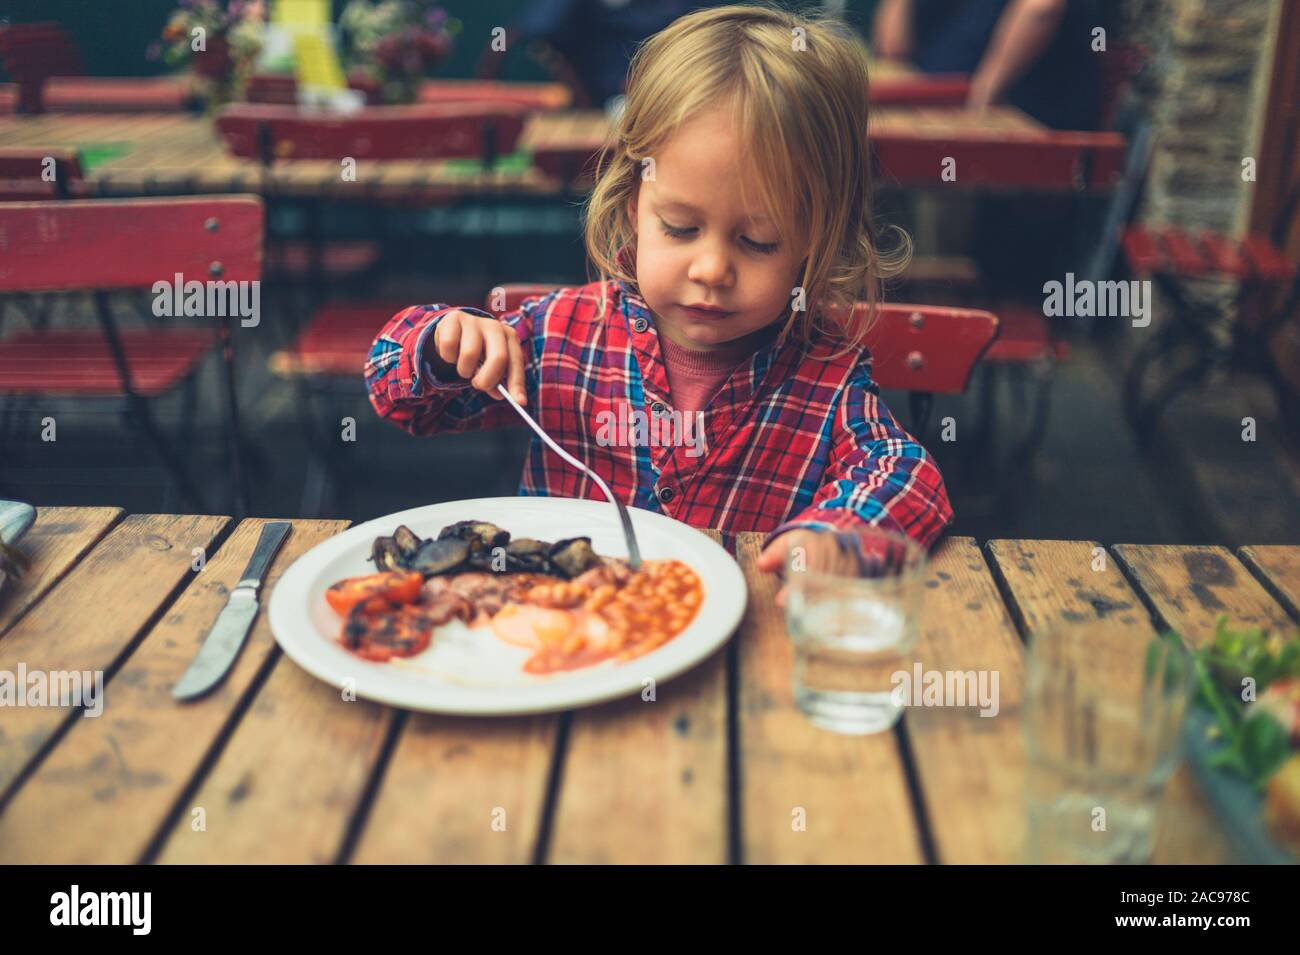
(482, 350)
(818, 546)
(824, 551)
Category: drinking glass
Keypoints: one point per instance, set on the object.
(852, 611)
(1104, 707)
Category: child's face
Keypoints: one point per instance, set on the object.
(697, 243)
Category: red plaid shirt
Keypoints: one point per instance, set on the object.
(789, 440)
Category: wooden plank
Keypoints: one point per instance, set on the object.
(289, 781)
(459, 789)
(105, 790)
(134, 571)
(1191, 587)
(1279, 565)
(970, 767)
(302, 752)
(849, 792)
(645, 781)
(1053, 584)
(60, 537)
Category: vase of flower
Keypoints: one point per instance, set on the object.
(390, 46)
(220, 41)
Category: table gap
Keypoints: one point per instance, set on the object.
(1004, 591)
(58, 579)
(1267, 583)
(361, 813)
(210, 758)
(553, 782)
(916, 792)
(1131, 578)
(734, 788)
(111, 670)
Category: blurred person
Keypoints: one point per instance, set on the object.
(1035, 55)
(595, 39)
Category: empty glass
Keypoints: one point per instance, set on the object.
(1103, 711)
(852, 611)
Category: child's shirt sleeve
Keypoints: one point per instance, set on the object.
(878, 473)
(403, 388)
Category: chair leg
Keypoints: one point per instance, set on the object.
(1031, 440)
(1168, 364)
(8, 440)
(189, 404)
(919, 404)
(234, 443)
(978, 445)
(320, 484)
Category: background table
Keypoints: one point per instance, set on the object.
(720, 767)
(176, 154)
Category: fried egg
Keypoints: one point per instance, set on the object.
(533, 627)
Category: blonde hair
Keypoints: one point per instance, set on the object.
(799, 84)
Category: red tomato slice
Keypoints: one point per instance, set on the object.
(380, 629)
(395, 585)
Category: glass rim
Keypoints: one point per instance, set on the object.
(914, 564)
(1129, 637)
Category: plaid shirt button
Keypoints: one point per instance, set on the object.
(657, 407)
(640, 325)
(665, 494)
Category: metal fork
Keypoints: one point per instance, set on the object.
(634, 552)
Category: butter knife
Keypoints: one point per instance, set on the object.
(222, 644)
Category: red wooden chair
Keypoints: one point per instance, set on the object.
(47, 70)
(268, 131)
(102, 245)
(283, 89)
(32, 175)
(318, 359)
(35, 175)
(923, 89)
(33, 52)
(1058, 161)
(925, 350)
(1186, 347)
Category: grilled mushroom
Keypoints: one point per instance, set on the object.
(408, 542)
(386, 555)
(480, 535)
(572, 556)
(526, 555)
(438, 556)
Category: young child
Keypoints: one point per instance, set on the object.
(731, 226)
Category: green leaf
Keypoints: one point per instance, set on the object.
(1264, 746)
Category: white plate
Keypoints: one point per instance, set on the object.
(474, 672)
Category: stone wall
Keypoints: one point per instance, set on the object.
(1204, 87)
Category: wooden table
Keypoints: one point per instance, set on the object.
(178, 154)
(720, 767)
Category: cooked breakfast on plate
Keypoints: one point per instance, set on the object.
(562, 601)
